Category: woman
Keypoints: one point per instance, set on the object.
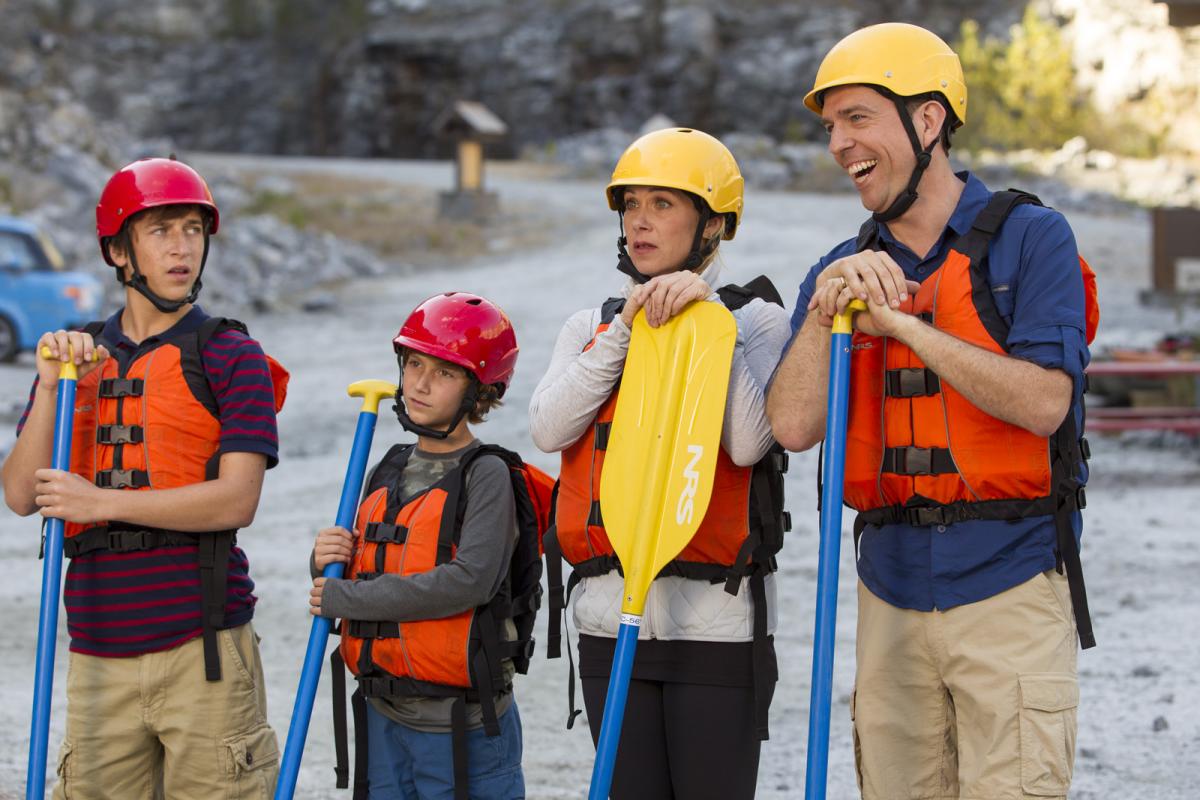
(705, 663)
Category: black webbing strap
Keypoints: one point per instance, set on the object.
(918, 461)
(572, 711)
(373, 629)
(120, 434)
(337, 686)
(122, 540)
(358, 706)
(595, 518)
(911, 382)
(554, 586)
(214, 575)
(486, 669)
(384, 533)
(764, 668)
(603, 429)
(1070, 452)
(111, 388)
(741, 562)
(123, 479)
(458, 745)
(921, 511)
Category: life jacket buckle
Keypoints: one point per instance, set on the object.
(120, 434)
(122, 479)
(122, 541)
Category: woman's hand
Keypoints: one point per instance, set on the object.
(664, 296)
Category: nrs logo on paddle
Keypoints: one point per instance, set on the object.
(691, 476)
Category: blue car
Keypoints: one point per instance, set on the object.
(37, 292)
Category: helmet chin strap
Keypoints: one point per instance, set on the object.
(693, 261)
(470, 398)
(138, 282)
(924, 157)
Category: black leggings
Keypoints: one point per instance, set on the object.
(681, 740)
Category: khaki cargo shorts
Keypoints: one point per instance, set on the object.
(151, 726)
(975, 702)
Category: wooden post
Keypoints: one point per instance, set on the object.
(470, 165)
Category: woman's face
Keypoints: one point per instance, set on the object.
(660, 225)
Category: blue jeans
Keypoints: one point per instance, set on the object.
(407, 764)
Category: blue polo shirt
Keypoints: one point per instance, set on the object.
(1033, 266)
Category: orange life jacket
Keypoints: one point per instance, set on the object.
(153, 423)
(918, 452)
(740, 534)
(462, 651)
(731, 535)
(455, 656)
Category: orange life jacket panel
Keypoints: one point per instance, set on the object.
(461, 651)
(154, 424)
(741, 526)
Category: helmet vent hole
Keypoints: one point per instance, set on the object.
(474, 302)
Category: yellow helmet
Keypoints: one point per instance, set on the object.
(684, 159)
(905, 59)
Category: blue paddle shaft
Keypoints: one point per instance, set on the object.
(833, 468)
(614, 707)
(318, 637)
(43, 686)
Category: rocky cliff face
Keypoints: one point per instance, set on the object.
(368, 78)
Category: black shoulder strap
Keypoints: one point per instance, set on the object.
(974, 245)
(191, 348)
(734, 296)
(387, 470)
(610, 308)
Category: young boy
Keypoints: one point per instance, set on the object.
(174, 428)
(442, 576)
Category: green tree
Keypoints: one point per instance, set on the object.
(1021, 93)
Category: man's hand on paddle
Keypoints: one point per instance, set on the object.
(83, 350)
(664, 296)
(871, 276)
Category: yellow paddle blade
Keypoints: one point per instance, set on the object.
(662, 449)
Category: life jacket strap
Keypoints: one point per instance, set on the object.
(911, 382)
(112, 388)
(595, 517)
(122, 540)
(918, 461)
(214, 577)
(123, 479)
(922, 512)
(367, 629)
(383, 533)
(120, 434)
(337, 686)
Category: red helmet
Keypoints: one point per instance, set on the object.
(464, 329)
(148, 183)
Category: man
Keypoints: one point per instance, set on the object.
(174, 428)
(963, 455)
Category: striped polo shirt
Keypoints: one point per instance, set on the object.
(126, 604)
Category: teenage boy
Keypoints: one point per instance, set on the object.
(443, 568)
(174, 428)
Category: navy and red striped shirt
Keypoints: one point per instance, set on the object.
(126, 604)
